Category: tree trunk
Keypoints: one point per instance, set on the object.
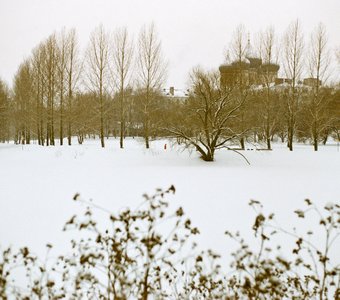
(315, 138)
(242, 143)
(146, 285)
(69, 113)
(290, 134)
(52, 124)
(290, 145)
(121, 135)
(121, 109)
(61, 132)
(69, 124)
(325, 138)
(269, 147)
(146, 119)
(102, 122)
(208, 155)
(146, 134)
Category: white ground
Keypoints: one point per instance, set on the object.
(37, 185)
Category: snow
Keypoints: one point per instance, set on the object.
(37, 185)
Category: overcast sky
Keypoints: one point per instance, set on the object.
(192, 31)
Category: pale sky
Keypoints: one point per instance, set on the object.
(193, 32)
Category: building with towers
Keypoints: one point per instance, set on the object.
(250, 70)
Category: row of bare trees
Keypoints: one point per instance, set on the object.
(115, 89)
(4, 111)
(297, 60)
(44, 86)
(215, 117)
(48, 82)
(110, 64)
(250, 106)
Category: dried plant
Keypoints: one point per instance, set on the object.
(150, 253)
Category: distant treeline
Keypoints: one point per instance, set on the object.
(114, 88)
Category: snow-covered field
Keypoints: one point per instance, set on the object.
(37, 185)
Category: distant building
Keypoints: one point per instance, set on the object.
(306, 84)
(312, 82)
(175, 94)
(251, 71)
(279, 81)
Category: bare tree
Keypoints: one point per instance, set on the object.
(318, 63)
(205, 119)
(293, 63)
(122, 53)
(23, 103)
(239, 44)
(239, 51)
(62, 63)
(4, 111)
(73, 72)
(151, 72)
(50, 71)
(98, 69)
(39, 89)
(269, 68)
